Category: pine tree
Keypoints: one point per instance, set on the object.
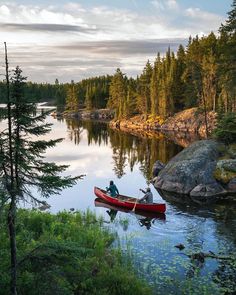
(72, 102)
(180, 85)
(228, 61)
(144, 99)
(192, 74)
(118, 93)
(155, 87)
(88, 98)
(230, 26)
(209, 72)
(21, 159)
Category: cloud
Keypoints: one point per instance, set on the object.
(102, 22)
(79, 60)
(45, 27)
(198, 20)
(71, 41)
(4, 10)
(199, 15)
(125, 47)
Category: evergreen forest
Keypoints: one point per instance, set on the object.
(202, 74)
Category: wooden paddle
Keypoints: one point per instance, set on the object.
(136, 202)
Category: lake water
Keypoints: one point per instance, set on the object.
(103, 154)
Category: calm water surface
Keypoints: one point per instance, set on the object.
(103, 154)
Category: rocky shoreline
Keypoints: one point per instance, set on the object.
(200, 172)
(100, 114)
(191, 121)
(184, 127)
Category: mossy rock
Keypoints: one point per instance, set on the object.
(225, 170)
(232, 150)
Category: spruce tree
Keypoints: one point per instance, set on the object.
(144, 99)
(155, 81)
(118, 93)
(228, 61)
(88, 98)
(72, 102)
(21, 159)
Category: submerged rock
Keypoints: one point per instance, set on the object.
(191, 172)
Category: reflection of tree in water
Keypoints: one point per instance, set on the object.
(119, 158)
(74, 130)
(96, 132)
(135, 150)
(128, 150)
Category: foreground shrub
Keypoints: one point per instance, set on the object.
(66, 254)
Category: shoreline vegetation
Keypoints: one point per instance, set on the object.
(183, 128)
(67, 253)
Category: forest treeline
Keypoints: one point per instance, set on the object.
(89, 93)
(201, 75)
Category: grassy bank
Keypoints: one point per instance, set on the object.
(66, 254)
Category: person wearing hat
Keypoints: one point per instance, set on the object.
(148, 197)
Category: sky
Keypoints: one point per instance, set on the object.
(74, 40)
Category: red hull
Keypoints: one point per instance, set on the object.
(157, 215)
(128, 202)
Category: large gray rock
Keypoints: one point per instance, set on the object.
(157, 167)
(191, 171)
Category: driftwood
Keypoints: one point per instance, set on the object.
(201, 256)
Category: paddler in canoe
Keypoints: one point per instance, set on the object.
(112, 189)
(148, 197)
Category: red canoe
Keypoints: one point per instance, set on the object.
(157, 215)
(128, 202)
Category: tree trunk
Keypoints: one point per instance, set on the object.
(12, 210)
(205, 115)
(12, 236)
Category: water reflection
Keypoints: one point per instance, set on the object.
(144, 218)
(112, 213)
(127, 150)
(147, 222)
(93, 149)
(183, 139)
(221, 213)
